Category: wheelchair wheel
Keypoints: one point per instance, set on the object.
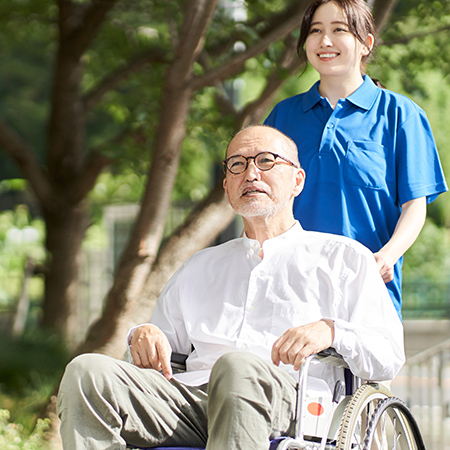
(392, 426)
(357, 414)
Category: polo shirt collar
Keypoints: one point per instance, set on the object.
(312, 97)
(363, 97)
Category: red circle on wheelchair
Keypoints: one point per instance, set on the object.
(316, 409)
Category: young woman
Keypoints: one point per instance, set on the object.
(369, 154)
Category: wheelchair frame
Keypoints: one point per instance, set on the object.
(372, 418)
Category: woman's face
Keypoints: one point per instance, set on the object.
(330, 47)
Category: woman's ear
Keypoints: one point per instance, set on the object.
(369, 41)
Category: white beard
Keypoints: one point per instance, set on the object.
(267, 206)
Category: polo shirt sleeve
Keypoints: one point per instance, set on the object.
(271, 119)
(419, 169)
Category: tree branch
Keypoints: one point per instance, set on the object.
(97, 161)
(93, 166)
(236, 64)
(15, 146)
(79, 24)
(198, 15)
(109, 83)
(410, 37)
(382, 10)
(265, 25)
(286, 66)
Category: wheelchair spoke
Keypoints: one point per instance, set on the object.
(392, 427)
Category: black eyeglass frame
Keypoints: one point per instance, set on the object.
(248, 158)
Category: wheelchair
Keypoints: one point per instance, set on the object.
(358, 416)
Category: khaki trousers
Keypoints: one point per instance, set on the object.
(104, 403)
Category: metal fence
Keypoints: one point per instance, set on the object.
(424, 383)
(426, 299)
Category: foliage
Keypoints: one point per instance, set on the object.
(30, 368)
(414, 59)
(429, 257)
(27, 27)
(122, 126)
(14, 437)
(21, 238)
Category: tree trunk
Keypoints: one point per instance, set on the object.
(137, 259)
(204, 224)
(66, 227)
(382, 10)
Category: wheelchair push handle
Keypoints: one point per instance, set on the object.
(331, 356)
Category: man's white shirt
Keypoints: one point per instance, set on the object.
(226, 298)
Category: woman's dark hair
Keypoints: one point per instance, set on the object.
(359, 20)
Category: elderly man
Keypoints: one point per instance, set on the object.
(251, 309)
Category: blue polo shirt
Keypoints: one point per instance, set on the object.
(374, 152)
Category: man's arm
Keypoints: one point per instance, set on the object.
(360, 323)
(297, 343)
(367, 330)
(150, 349)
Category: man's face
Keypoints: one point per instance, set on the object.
(262, 193)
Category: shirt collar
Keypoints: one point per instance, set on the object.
(312, 97)
(287, 236)
(363, 97)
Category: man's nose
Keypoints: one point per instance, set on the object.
(252, 172)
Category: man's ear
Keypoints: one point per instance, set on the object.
(300, 176)
(225, 184)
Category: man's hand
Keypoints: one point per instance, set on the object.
(300, 342)
(151, 349)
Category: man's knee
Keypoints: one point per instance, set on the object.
(86, 375)
(85, 366)
(236, 369)
(240, 363)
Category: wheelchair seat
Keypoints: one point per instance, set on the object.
(273, 446)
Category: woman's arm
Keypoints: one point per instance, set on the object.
(406, 231)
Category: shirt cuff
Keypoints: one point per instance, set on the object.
(342, 342)
(131, 331)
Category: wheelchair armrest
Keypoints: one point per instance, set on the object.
(178, 362)
(327, 356)
(331, 356)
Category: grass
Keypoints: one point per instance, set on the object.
(14, 437)
(30, 368)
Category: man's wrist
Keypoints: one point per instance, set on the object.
(330, 324)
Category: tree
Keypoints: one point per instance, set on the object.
(121, 80)
(113, 83)
(194, 52)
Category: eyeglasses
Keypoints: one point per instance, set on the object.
(263, 161)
